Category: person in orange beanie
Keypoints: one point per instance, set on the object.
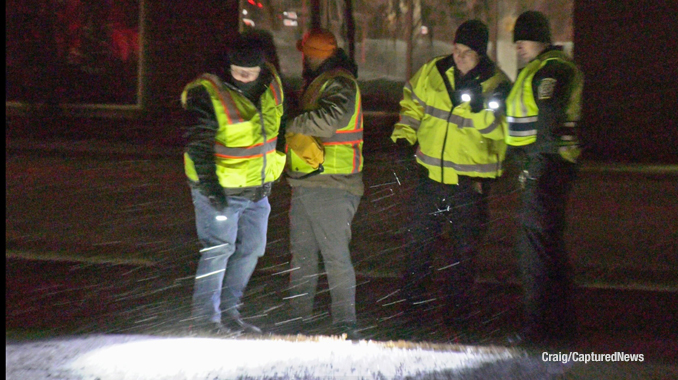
(323, 205)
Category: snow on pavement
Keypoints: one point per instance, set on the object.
(124, 357)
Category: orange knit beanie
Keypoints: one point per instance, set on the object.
(318, 43)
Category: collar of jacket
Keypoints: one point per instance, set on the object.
(548, 49)
(540, 56)
(483, 71)
(338, 60)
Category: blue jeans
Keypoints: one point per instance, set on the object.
(231, 250)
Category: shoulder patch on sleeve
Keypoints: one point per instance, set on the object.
(546, 88)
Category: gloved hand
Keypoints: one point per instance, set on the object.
(405, 150)
(499, 96)
(477, 101)
(215, 193)
(475, 91)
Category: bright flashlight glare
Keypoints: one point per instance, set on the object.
(162, 358)
(465, 97)
(494, 104)
(221, 218)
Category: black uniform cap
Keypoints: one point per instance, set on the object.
(532, 26)
(474, 34)
(246, 51)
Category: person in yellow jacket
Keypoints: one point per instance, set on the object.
(327, 183)
(452, 115)
(233, 117)
(543, 110)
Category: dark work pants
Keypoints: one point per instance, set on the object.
(447, 223)
(546, 272)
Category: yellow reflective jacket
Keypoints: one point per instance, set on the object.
(343, 145)
(244, 146)
(453, 141)
(543, 107)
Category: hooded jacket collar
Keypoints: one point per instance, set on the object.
(483, 71)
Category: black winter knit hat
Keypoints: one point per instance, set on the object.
(532, 26)
(474, 34)
(246, 51)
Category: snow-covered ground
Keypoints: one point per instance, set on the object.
(103, 202)
(126, 357)
(136, 357)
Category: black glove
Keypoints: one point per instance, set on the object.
(499, 95)
(475, 91)
(477, 101)
(215, 193)
(405, 150)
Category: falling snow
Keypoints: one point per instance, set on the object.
(102, 254)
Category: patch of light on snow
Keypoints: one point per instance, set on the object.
(200, 358)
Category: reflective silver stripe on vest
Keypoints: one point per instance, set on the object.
(410, 122)
(226, 98)
(344, 136)
(477, 168)
(522, 126)
(441, 114)
(520, 120)
(276, 90)
(252, 151)
(531, 132)
(356, 158)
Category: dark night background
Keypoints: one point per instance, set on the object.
(99, 226)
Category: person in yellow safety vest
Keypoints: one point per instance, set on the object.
(452, 112)
(330, 126)
(233, 116)
(543, 111)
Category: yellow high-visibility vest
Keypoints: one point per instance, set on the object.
(245, 153)
(522, 112)
(344, 150)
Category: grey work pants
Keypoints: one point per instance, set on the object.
(320, 222)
